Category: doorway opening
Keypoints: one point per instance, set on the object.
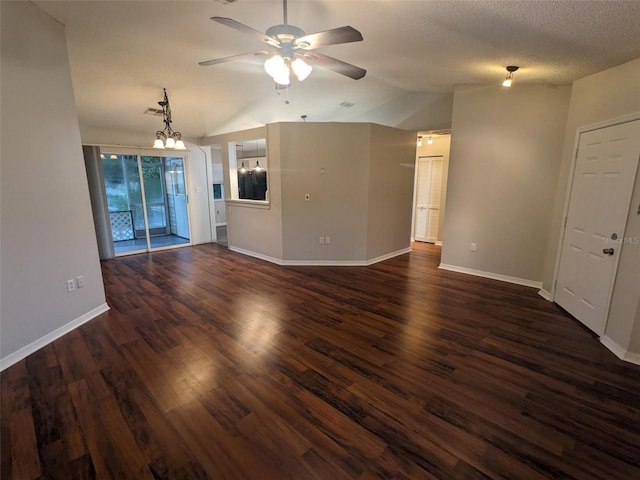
(147, 201)
(430, 187)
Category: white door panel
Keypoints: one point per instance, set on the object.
(603, 182)
(428, 199)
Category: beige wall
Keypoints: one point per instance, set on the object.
(390, 192)
(338, 197)
(506, 147)
(598, 98)
(441, 146)
(47, 234)
(359, 178)
(412, 111)
(254, 228)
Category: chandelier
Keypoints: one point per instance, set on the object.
(167, 138)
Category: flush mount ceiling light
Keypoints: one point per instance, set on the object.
(167, 138)
(509, 79)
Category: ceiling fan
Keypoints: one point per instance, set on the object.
(289, 48)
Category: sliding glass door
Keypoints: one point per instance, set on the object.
(147, 201)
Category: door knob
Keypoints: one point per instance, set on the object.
(608, 251)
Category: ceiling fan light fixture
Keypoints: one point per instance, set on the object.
(273, 65)
(301, 68)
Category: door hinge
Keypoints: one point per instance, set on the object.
(187, 199)
(565, 221)
(577, 150)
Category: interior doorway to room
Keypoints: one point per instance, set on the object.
(428, 193)
(432, 164)
(147, 201)
(217, 204)
(601, 190)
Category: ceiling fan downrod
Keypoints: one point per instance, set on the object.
(284, 11)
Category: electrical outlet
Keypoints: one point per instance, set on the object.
(473, 247)
(80, 281)
(321, 240)
(307, 197)
(327, 240)
(71, 285)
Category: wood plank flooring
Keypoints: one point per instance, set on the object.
(215, 365)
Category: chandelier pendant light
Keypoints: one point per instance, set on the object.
(167, 137)
(509, 79)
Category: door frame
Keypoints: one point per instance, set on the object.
(579, 131)
(139, 152)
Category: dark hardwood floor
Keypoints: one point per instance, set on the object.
(215, 365)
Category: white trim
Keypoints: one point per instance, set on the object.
(261, 256)
(438, 243)
(620, 351)
(325, 263)
(321, 263)
(546, 295)
(387, 256)
(27, 350)
(493, 276)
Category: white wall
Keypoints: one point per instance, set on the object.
(47, 234)
(506, 147)
(198, 162)
(597, 98)
(441, 146)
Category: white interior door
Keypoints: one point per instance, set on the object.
(603, 182)
(429, 191)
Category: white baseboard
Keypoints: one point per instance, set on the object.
(261, 256)
(27, 350)
(321, 263)
(438, 243)
(619, 351)
(546, 295)
(493, 276)
(387, 256)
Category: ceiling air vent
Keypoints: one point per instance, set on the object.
(153, 111)
(346, 104)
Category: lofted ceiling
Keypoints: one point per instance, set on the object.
(122, 53)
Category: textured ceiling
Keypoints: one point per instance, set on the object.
(123, 52)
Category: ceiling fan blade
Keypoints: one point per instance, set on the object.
(335, 65)
(231, 58)
(241, 27)
(334, 36)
